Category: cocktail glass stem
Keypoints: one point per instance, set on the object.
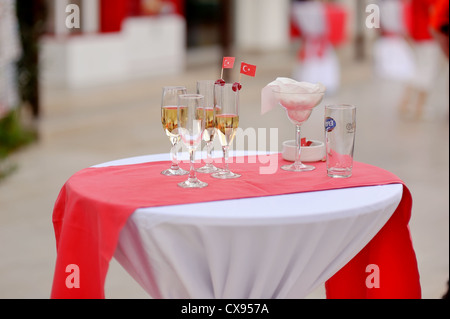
(298, 166)
(298, 139)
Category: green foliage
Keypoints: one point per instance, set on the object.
(13, 135)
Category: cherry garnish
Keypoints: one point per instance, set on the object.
(236, 86)
(220, 82)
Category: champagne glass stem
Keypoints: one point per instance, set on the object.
(225, 158)
(209, 147)
(192, 175)
(208, 167)
(298, 139)
(174, 156)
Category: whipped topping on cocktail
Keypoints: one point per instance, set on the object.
(298, 98)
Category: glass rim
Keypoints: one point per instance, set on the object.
(281, 92)
(174, 87)
(205, 81)
(191, 96)
(340, 106)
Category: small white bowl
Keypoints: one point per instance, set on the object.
(313, 153)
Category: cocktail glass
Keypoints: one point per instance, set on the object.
(298, 107)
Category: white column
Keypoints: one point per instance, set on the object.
(90, 16)
(60, 16)
(262, 24)
(245, 24)
(350, 5)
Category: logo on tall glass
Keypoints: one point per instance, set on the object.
(330, 124)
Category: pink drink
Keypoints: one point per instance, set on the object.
(298, 112)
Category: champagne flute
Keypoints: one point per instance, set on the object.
(298, 107)
(206, 88)
(226, 122)
(191, 126)
(169, 121)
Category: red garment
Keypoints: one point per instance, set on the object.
(95, 203)
(439, 17)
(112, 14)
(179, 6)
(417, 19)
(336, 21)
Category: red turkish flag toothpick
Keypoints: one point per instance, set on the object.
(248, 69)
(228, 62)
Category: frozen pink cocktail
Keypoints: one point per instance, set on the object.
(298, 106)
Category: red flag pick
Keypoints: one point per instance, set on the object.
(248, 69)
(228, 62)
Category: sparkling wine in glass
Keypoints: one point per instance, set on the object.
(226, 123)
(298, 107)
(191, 126)
(169, 119)
(206, 88)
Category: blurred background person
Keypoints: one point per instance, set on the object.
(321, 28)
(427, 57)
(393, 55)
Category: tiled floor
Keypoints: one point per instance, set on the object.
(80, 128)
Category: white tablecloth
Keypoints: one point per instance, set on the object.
(268, 247)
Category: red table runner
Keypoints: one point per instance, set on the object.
(95, 203)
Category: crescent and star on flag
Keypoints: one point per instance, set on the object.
(248, 69)
(228, 62)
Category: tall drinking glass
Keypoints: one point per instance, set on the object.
(298, 107)
(169, 121)
(191, 125)
(206, 88)
(226, 122)
(340, 127)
